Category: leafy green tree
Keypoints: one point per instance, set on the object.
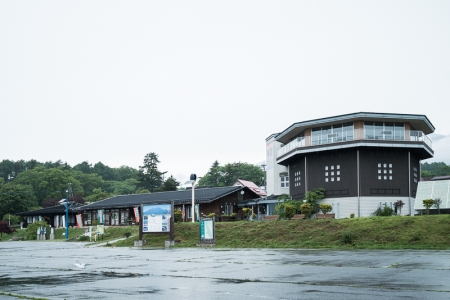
(104, 171)
(12, 219)
(214, 177)
(171, 184)
(125, 172)
(437, 203)
(228, 174)
(88, 181)
(15, 198)
(126, 187)
(428, 203)
(149, 176)
(49, 183)
(97, 195)
(84, 167)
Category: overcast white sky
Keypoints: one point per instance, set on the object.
(196, 81)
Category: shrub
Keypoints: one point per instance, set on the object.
(83, 238)
(437, 203)
(398, 206)
(12, 219)
(178, 215)
(352, 215)
(289, 211)
(386, 211)
(127, 234)
(305, 208)
(4, 228)
(211, 215)
(428, 203)
(326, 208)
(94, 222)
(31, 231)
(233, 216)
(247, 212)
(347, 237)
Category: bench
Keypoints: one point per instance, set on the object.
(298, 217)
(272, 217)
(325, 216)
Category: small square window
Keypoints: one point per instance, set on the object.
(326, 179)
(390, 177)
(385, 171)
(379, 165)
(332, 167)
(332, 178)
(338, 172)
(338, 178)
(390, 171)
(390, 165)
(384, 165)
(338, 167)
(379, 171)
(385, 177)
(379, 177)
(326, 167)
(326, 173)
(332, 173)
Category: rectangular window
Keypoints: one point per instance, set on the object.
(326, 179)
(332, 167)
(338, 167)
(338, 172)
(338, 178)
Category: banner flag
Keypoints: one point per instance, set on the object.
(101, 216)
(79, 223)
(136, 213)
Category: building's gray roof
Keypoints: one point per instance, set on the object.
(53, 210)
(203, 195)
(420, 122)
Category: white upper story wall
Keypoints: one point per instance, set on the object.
(277, 175)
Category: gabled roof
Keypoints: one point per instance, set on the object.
(252, 186)
(53, 210)
(204, 195)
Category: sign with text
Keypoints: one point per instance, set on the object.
(207, 230)
(156, 217)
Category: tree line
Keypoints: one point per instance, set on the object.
(434, 169)
(28, 185)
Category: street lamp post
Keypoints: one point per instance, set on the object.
(193, 179)
(67, 214)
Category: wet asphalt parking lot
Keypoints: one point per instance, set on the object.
(47, 270)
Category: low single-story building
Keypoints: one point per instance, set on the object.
(436, 188)
(121, 210)
(54, 215)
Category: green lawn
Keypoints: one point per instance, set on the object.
(420, 232)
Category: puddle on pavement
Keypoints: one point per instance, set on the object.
(62, 279)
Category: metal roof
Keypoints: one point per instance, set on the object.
(419, 122)
(204, 195)
(53, 210)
